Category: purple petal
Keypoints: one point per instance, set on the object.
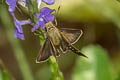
(45, 11)
(49, 2)
(37, 15)
(23, 22)
(13, 15)
(40, 23)
(35, 27)
(49, 18)
(18, 31)
(12, 4)
(18, 24)
(17, 34)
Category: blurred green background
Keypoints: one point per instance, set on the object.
(100, 22)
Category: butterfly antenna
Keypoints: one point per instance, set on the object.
(56, 14)
(58, 10)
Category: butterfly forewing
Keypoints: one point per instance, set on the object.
(69, 46)
(45, 51)
(73, 35)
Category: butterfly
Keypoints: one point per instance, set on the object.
(58, 41)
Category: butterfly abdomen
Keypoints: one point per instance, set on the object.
(73, 49)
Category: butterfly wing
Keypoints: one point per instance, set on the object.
(73, 35)
(68, 41)
(71, 47)
(45, 51)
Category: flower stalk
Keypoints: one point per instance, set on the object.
(56, 73)
(32, 8)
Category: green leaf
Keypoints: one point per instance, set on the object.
(96, 67)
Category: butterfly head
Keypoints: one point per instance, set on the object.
(49, 26)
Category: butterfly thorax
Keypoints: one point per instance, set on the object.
(53, 33)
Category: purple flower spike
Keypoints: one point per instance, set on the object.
(12, 4)
(49, 2)
(44, 17)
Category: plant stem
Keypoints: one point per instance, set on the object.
(56, 73)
